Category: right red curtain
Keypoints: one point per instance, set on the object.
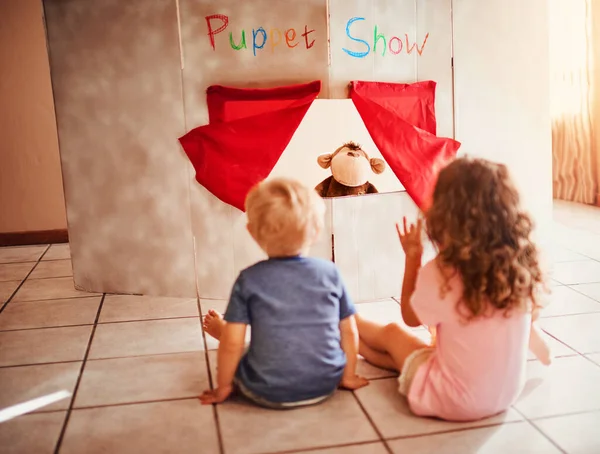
(401, 121)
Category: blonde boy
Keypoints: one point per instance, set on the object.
(304, 340)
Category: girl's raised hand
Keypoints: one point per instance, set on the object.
(410, 238)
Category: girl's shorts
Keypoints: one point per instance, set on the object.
(411, 365)
(244, 391)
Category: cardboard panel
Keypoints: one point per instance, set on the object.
(393, 41)
(285, 43)
(502, 94)
(367, 249)
(117, 85)
(223, 246)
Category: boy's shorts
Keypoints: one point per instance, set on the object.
(411, 365)
(244, 391)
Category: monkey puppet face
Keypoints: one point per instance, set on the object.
(351, 167)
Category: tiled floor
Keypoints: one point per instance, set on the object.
(137, 364)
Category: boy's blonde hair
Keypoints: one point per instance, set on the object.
(284, 216)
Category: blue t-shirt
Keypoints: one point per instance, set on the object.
(294, 306)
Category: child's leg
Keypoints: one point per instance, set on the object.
(213, 324)
(375, 357)
(390, 339)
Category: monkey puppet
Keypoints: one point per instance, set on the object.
(350, 171)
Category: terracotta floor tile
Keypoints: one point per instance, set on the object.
(20, 384)
(34, 433)
(21, 253)
(52, 268)
(577, 331)
(591, 290)
(518, 437)
(142, 379)
(390, 413)
(128, 307)
(366, 448)
(183, 426)
(569, 385)
(249, 429)
(58, 252)
(14, 271)
(45, 345)
(153, 337)
(7, 289)
(370, 372)
(565, 301)
(49, 313)
(576, 434)
(49, 289)
(594, 357)
(584, 272)
(558, 254)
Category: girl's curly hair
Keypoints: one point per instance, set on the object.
(481, 232)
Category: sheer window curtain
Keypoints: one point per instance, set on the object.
(575, 99)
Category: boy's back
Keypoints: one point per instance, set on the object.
(294, 306)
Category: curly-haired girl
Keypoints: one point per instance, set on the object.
(479, 294)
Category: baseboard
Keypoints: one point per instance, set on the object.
(36, 237)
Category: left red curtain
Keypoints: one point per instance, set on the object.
(248, 131)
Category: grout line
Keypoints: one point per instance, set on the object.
(211, 381)
(90, 324)
(375, 428)
(137, 402)
(327, 447)
(78, 382)
(455, 430)
(24, 279)
(83, 295)
(530, 422)
(44, 327)
(571, 286)
(40, 364)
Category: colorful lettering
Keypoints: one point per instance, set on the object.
(211, 33)
(254, 35)
(399, 45)
(272, 38)
(305, 35)
(376, 38)
(410, 48)
(241, 45)
(289, 38)
(358, 40)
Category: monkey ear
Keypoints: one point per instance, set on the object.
(377, 165)
(325, 160)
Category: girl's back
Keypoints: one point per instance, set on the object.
(478, 367)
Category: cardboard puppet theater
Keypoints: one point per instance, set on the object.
(239, 147)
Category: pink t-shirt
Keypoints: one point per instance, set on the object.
(478, 367)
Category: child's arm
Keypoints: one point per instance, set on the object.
(537, 343)
(231, 349)
(410, 238)
(349, 342)
(411, 271)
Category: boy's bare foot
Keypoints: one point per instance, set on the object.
(213, 324)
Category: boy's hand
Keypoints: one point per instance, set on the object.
(353, 382)
(410, 238)
(216, 396)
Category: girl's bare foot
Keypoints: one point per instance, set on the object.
(213, 324)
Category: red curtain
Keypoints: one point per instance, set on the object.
(248, 131)
(401, 121)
